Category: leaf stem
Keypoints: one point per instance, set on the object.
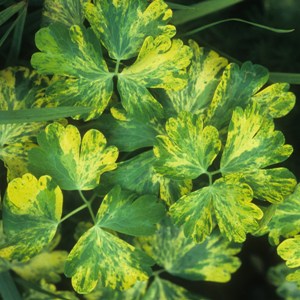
(116, 72)
(73, 212)
(88, 205)
(211, 174)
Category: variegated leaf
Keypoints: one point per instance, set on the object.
(276, 100)
(138, 101)
(75, 164)
(188, 149)
(127, 213)
(46, 265)
(286, 220)
(212, 260)
(271, 185)
(136, 292)
(102, 256)
(286, 289)
(75, 54)
(123, 25)
(20, 88)
(31, 213)
(236, 88)
(203, 78)
(140, 169)
(164, 289)
(289, 250)
(70, 12)
(226, 202)
(252, 142)
(161, 63)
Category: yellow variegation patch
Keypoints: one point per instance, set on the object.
(31, 213)
(20, 88)
(74, 163)
(203, 77)
(123, 25)
(161, 63)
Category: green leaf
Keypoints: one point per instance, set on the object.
(212, 260)
(226, 202)
(102, 256)
(252, 142)
(164, 289)
(200, 10)
(276, 100)
(285, 289)
(68, 12)
(188, 149)
(40, 114)
(237, 86)
(161, 63)
(127, 133)
(122, 26)
(31, 213)
(75, 164)
(20, 89)
(286, 220)
(124, 212)
(289, 250)
(203, 78)
(76, 54)
(8, 289)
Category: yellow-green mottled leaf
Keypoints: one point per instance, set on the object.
(138, 101)
(47, 265)
(123, 25)
(31, 213)
(286, 220)
(203, 78)
(20, 88)
(74, 53)
(271, 185)
(226, 203)
(161, 63)
(165, 290)
(285, 289)
(68, 12)
(75, 164)
(127, 213)
(212, 260)
(188, 149)
(136, 292)
(252, 142)
(236, 88)
(276, 100)
(102, 256)
(289, 250)
(48, 291)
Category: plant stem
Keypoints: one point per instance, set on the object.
(116, 72)
(88, 205)
(73, 212)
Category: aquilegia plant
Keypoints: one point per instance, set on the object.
(175, 159)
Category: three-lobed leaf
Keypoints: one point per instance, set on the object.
(122, 26)
(75, 163)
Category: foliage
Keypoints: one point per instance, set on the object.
(173, 146)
